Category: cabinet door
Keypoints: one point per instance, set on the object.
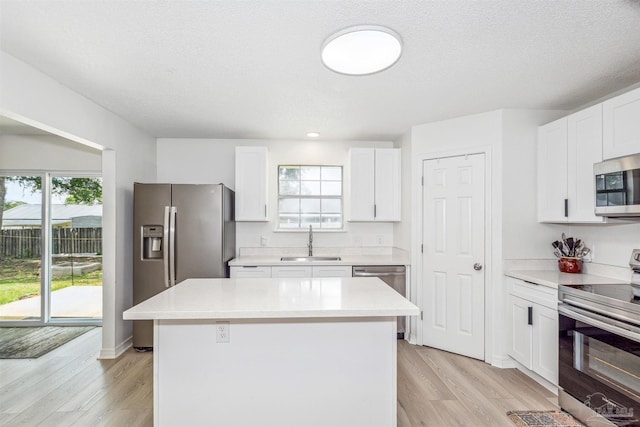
(250, 271)
(251, 184)
(362, 187)
(584, 148)
(387, 184)
(331, 271)
(552, 171)
(545, 343)
(521, 332)
(291, 271)
(620, 125)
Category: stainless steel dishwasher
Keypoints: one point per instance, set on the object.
(392, 275)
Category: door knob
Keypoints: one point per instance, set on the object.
(477, 266)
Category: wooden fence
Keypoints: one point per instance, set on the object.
(27, 243)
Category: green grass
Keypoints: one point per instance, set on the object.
(19, 279)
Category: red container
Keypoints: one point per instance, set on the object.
(570, 265)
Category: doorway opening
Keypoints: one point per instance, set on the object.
(50, 248)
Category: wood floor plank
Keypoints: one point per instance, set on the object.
(71, 387)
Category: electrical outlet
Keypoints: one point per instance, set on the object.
(222, 331)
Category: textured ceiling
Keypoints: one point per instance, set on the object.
(251, 69)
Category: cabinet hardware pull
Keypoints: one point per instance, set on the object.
(529, 315)
(566, 207)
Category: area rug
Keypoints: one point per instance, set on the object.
(33, 342)
(543, 419)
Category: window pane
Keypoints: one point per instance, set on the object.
(331, 188)
(310, 188)
(332, 221)
(289, 221)
(309, 219)
(310, 206)
(289, 205)
(310, 173)
(289, 188)
(20, 252)
(331, 206)
(332, 173)
(289, 173)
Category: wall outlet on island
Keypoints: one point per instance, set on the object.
(222, 332)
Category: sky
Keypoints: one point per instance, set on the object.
(16, 193)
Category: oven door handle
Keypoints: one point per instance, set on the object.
(592, 319)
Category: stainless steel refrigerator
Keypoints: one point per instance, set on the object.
(181, 231)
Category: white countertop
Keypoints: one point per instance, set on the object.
(274, 299)
(266, 260)
(554, 278)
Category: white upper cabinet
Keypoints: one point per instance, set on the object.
(375, 184)
(621, 125)
(251, 183)
(567, 150)
(552, 171)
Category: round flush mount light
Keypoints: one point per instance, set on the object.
(362, 50)
(313, 134)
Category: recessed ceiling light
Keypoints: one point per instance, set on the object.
(313, 134)
(361, 50)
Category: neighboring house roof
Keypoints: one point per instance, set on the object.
(30, 215)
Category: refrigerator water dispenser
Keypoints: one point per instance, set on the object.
(152, 245)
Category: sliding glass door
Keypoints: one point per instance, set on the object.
(51, 249)
(20, 250)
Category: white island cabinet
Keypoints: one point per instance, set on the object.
(275, 352)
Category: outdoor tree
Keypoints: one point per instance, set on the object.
(78, 191)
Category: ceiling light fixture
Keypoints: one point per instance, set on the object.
(362, 50)
(313, 134)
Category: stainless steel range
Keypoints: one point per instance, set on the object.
(599, 355)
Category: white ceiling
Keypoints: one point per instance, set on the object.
(251, 69)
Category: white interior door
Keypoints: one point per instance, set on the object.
(453, 254)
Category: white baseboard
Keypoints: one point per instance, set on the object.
(114, 353)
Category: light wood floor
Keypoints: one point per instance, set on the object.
(70, 387)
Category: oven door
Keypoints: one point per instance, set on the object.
(599, 365)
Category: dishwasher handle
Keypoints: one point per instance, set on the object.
(365, 274)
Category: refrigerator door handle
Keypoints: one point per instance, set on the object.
(165, 255)
(172, 246)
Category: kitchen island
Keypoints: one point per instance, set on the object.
(275, 352)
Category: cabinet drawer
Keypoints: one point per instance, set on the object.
(250, 271)
(539, 294)
(291, 271)
(332, 271)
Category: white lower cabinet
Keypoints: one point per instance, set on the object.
(533, 338)
(311, 271)
(250, 271)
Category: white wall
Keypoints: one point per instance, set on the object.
(47, 152)
(403, 230)
(32, 97)
(213, 161)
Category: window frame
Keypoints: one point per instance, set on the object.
(299, 214)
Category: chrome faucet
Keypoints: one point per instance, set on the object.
(310, 245)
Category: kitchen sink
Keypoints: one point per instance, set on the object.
(310, 258)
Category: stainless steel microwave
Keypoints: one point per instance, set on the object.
(618, 187)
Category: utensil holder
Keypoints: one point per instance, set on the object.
(570, 265)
